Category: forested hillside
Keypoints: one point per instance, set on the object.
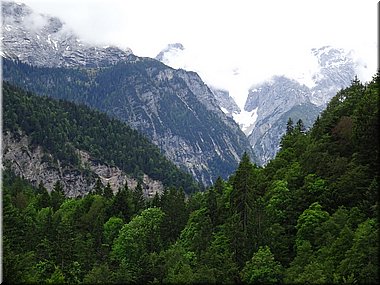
(309, 216)
(173, 108)
(62, 128)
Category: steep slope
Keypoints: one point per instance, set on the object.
(46, 41)
(225, 101)
(275, 98)
(153, 99)
(174, 108)
(37, 165)
(268, 101)
(271, 132)
(337, 70)
(46, 140)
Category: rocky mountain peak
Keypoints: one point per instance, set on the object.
(26, 31)
(282, 97)
(329, 56)
(174, 108)
(169, 51)
(15, 10)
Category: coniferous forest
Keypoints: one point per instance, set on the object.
(309, 216)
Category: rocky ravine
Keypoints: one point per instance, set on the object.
(36, 166)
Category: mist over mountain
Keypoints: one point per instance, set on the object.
(169, 52)
(44, 40)
(121, 169)
(268, 101)
(26, 32)
(274, 100)
(174, 108)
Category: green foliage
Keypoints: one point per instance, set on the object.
(308, 221)
(196, 235)
(262, 268)
(309, 216)
(111, 229)
(68, 127)
(362, 258)
(122, 204)
(220, 258)
(172, 203)
(100, 274)
(136, 240)
(121, 90)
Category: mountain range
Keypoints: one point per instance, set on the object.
(269, 104)
(195, 124)
(174, 108)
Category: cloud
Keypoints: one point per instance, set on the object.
(257, 39)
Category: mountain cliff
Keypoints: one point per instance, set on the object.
(275, 100)
(43, 40)
(174, 108)
(47, 140)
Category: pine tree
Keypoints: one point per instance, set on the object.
(138, 198)
(122, 205)
(289, 126)
(300, 127)
(241, 208)
(241, 196)
(98, 188)
(107, 192)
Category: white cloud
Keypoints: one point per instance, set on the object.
(221, 37)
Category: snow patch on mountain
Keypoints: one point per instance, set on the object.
(246, 120)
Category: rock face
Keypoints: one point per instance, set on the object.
(272, 100)
(46, 41)
(225, 101)
(174, 108)
(36, 165)
(337, 70)
(269, 101)
(281, 97)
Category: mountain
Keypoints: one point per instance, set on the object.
(43, 40)
(225, 101)
(336, 71)
(173, 108)
(275, 100)
(309, 216)
(47, 140)
(272, 101)
(169, 53)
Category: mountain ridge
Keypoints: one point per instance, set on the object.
(174, 108)
(50, 138)
(26, 31)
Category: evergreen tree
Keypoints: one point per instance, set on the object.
(289, 126)
(107, 192)
(300, 127)
(57, 195)
(122, 204)
(241, 196)
(138, 199)
(98, 187)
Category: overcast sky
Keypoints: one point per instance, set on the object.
(244, 41)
